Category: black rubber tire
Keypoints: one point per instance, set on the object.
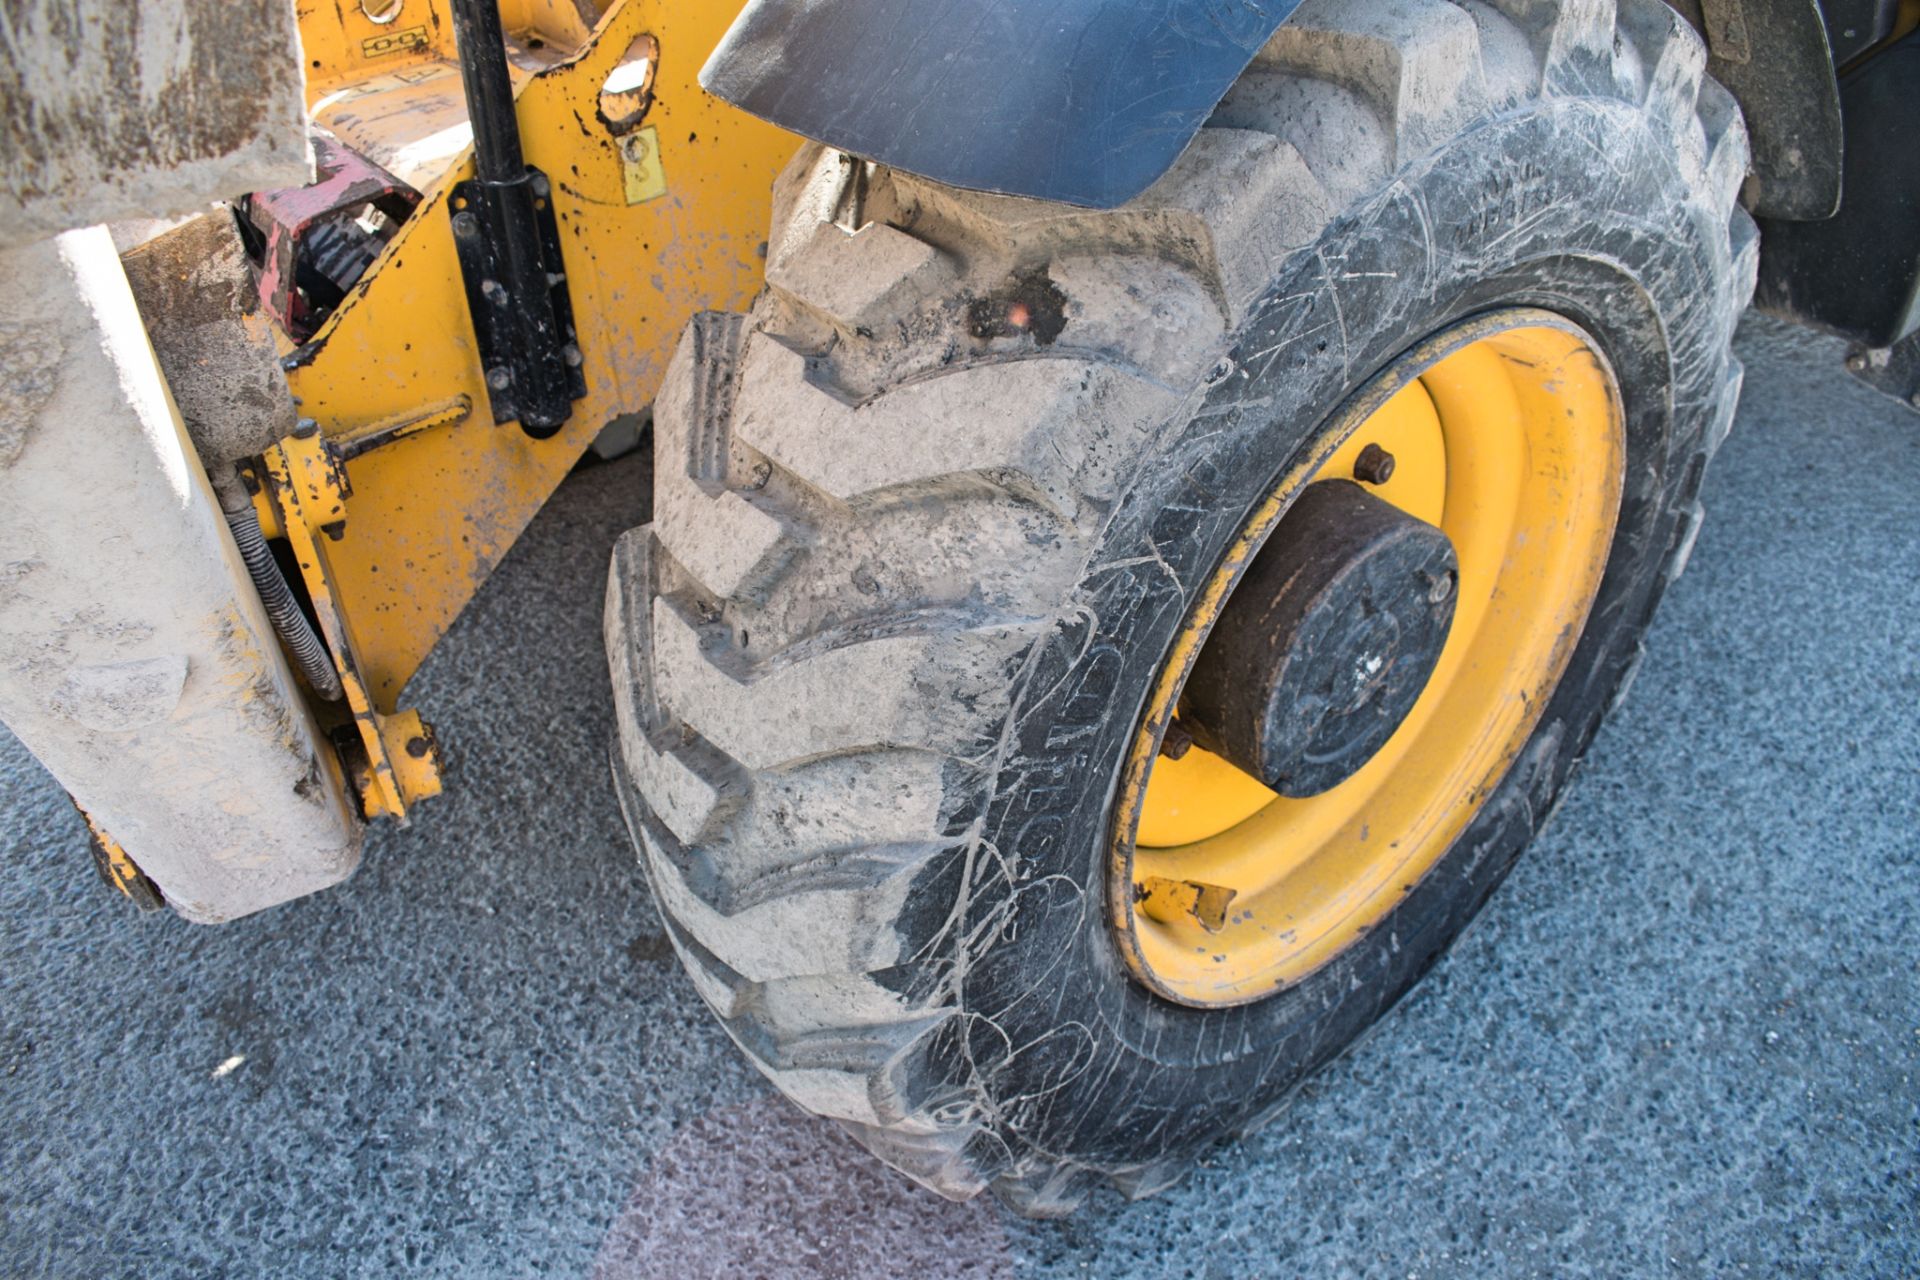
(927, 522)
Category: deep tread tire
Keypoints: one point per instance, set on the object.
(912, 566)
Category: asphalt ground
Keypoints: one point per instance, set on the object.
(1683, 1040)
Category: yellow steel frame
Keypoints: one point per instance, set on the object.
(659, 218)
(397, 763)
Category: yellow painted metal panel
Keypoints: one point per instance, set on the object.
(433, 511)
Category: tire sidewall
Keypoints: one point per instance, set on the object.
(1056, 1042)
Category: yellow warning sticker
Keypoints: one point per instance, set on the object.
(640, 165)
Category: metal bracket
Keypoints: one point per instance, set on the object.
(509, 245)
(397, 762)
(529, 350)
(1892, 371)
(307, 250)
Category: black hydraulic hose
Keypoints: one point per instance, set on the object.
(289, 621)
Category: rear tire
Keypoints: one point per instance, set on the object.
(927, 520)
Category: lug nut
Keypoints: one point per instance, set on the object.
(1373, 466)
(1176, 742)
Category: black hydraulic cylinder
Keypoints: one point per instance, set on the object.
(516, 283)
(483, 74)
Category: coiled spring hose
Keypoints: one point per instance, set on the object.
(289, 621)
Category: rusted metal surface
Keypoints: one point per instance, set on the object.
(311, 243)
(112, 110)
(1374, 465)
(1326, 643)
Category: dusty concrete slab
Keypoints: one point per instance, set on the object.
(135, 658)
(114, 110)
(214, 341)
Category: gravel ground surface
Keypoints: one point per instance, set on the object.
(1684, 1039)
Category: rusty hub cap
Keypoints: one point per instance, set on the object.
(1326, 644)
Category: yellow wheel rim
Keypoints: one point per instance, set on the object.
(1507, 434)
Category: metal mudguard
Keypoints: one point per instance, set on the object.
(1082, 101)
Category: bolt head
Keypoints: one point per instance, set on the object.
(1856, 363)
(499, 378)
(465, 225)
(306, 429)
(573, 357)
(1373, 466)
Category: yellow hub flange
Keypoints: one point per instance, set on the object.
(1507, 434)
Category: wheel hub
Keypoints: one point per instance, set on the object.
(1327, 642)
(1366, 662)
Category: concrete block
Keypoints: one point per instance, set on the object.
(111, 109)
(135, 659)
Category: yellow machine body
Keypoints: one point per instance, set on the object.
(661, 194)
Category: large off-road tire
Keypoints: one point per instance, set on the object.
(928, 521)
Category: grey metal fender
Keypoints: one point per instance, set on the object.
(1089, 101)
(1082, 101)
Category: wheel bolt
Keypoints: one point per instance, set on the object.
(1373, 466)
(1176, 742)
